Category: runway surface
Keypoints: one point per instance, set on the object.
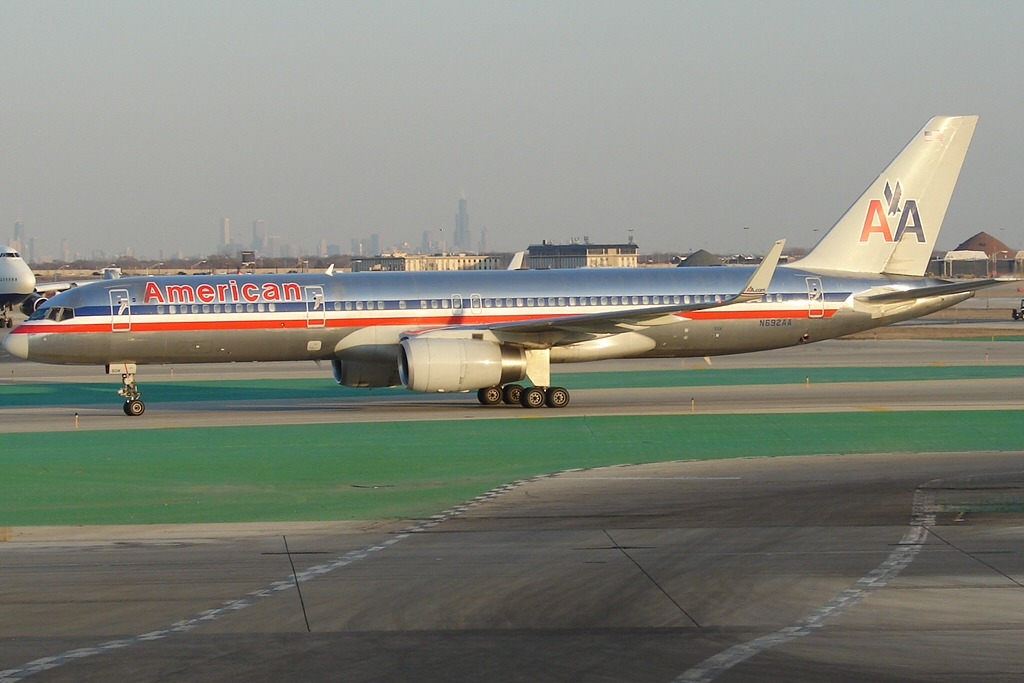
(822, 568)
(873, 396)
(889, 567)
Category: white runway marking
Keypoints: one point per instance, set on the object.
(908, 548)
(45, 663)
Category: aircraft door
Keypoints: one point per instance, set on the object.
(457, 304)
(316, 308)
(476, 307)
(815, 298)
(120, 310)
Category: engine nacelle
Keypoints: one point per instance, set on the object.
(439, 364)
(33, 302)
(358, 374)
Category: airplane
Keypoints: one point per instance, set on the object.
(486, 331)
(19, 286)
(17, 283)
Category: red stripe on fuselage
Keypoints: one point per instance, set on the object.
(138, 325)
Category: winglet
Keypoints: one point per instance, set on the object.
(762, 277)
(517, 261)
(330, 270)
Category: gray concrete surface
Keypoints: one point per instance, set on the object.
(988, 394)
(620, 574)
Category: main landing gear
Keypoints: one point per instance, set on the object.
(530, 397)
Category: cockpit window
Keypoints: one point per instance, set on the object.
(39, 314)
(10, 254)
(58, 313)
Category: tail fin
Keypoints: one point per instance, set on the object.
(892, 228)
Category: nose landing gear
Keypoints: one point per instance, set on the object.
(133, 406)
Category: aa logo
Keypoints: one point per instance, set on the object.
(876, 222)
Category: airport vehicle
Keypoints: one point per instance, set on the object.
(17, 283)
(486, 331)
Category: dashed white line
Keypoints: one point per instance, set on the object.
(908, 548)
(45, 663)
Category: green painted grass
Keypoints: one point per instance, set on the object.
(79, 394)
(412, 469)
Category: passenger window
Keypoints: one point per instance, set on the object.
(195, 308)
(572, 300)
(445, 303)
(348, 305)
(646, 300)
(401, 304)
(380, 305)
(675, 299)
(250, 308)
(260, 307)
(159, 309)
(359, 305)
(561, 301)
(636, 300)
(216, 308)
(487, 303)
(434, 303)
(656, 300)
(540, 301)
(498, 303)
(273, 307)
(604, 301)
(369, 305)
(423, 303)
(530, 301)
(615, 301)
(519, 303)
(686, 298)
(206, 308)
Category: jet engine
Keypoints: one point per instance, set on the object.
(33, 302)
(441, 364)
(359, 374)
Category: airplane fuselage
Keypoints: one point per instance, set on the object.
(361, 317)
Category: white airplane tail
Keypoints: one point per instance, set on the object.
(892, 228)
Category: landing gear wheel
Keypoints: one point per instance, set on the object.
(511, 394)
(134, 407)
(557, 397)
(490, 396)
(533, 397)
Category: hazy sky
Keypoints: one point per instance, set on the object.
(142, 124)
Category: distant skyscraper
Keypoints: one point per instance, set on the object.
(273, 246)
(462, 238)
(321, 248)
(259, 236)
(485, 240)
(65, 251)
(425, 247)
(31, 250)
(375, 244)
(225, 232)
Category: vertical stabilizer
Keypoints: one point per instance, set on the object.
(892, 228)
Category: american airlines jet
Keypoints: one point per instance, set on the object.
(486, 331)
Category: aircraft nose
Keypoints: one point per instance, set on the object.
(17, 345)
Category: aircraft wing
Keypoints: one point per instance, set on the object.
(573, 328)
(925, 292)
(53, 287)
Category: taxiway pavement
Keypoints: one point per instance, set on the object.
(846, 568)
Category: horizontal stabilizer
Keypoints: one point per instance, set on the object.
(925, 292)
